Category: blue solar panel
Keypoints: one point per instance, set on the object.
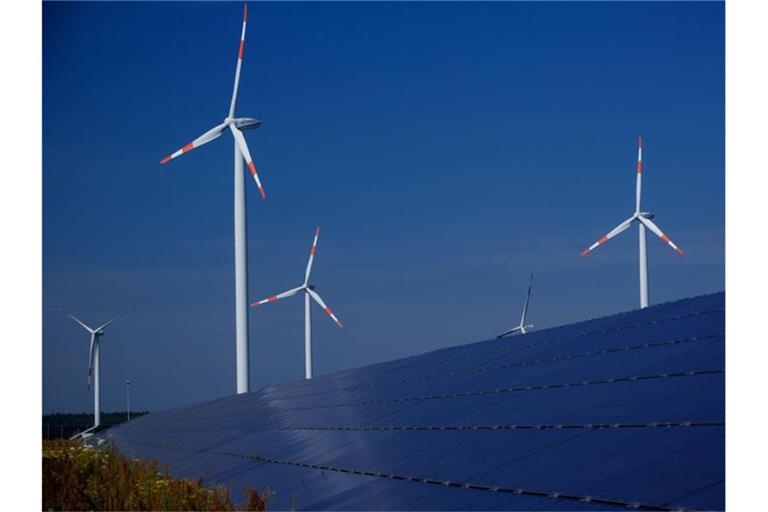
(626, 410)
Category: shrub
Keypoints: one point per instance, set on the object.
(78, 477)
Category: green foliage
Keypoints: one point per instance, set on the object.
(78, 477)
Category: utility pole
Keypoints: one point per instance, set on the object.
(128, 398)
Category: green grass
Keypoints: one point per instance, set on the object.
(77, 477)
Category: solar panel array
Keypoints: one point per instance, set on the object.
(621, 411)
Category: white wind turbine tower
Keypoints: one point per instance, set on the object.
(93, 363)
(309, 291)
(522, 327)
(235, 125)
(643, 220)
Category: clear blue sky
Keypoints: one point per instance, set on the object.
(445, 149)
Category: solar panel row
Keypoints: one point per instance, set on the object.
(626, 410)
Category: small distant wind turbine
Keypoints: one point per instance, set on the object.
(522, 327)
(235, 125)
(644, 220)
(309, 291)
(93, 363)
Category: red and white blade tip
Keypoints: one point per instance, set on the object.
(594, 245)
(669, 242)
(330, 313)
(314, 244)
(242, 35)
(264, 301)
(252, 168)
(185, 149)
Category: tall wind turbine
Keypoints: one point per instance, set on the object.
(235, 125)
(309, 292)
(643, 220)
(93, 363)
(522, 326)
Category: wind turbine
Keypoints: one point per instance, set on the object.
(93, 363)
(643, 220)
(235, 125)
(309, 291)
(522, 327)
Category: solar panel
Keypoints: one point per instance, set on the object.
(615, 412)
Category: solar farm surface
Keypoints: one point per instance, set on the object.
(615, 412)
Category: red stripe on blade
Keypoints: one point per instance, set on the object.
(252, 167)
(188, 147)
(245, 13)
(603, 240)
(165, 160)
(240, 53)
(272, 298)
(665, 238)
(261, 191)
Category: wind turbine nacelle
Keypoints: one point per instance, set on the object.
(247, 123)
(647, 215)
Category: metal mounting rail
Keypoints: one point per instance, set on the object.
(85, 433)
(453, 428)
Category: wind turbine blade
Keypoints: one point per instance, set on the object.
(239, 64)
(653, 227)
(317, 298)
(109, 323)
(639, 185)
(617, 230)
(247, 156)
(78, 321)
(90, 360)
(508, 332)
(527, 300)
(279, 296)
(311, 255)
(212, 134)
